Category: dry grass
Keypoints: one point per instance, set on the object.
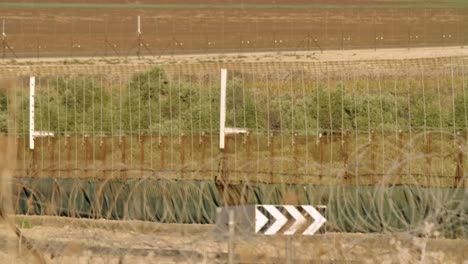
(127, 243)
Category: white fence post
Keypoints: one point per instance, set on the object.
(222, 113)
(32, 82)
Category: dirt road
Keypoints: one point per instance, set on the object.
(64, 240)
(385, 61)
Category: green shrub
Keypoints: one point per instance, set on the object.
(3, 122)
(153, 103)
(3, 112)
(461, 111)
(68, 105)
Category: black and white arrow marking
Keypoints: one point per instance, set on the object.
(269, 220)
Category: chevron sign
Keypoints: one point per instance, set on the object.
(271, 219)
(287, 219)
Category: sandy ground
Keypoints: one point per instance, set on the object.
(286, 56)
(64, 240)
(364, 61)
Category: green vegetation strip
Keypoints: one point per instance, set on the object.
(398, 5)
(152, 102)
(380, 208)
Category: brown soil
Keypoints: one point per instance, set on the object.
(226, 2)
(88, 32)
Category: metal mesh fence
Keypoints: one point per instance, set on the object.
(384, 153)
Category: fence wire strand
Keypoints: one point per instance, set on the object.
(384, 154)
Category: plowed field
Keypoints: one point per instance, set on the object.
(92, 28)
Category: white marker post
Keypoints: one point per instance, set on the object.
(32, 82)
(222, 108)
(32, 132)
(139, 28)
(223, 130)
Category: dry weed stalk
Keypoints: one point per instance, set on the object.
(7, 166)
